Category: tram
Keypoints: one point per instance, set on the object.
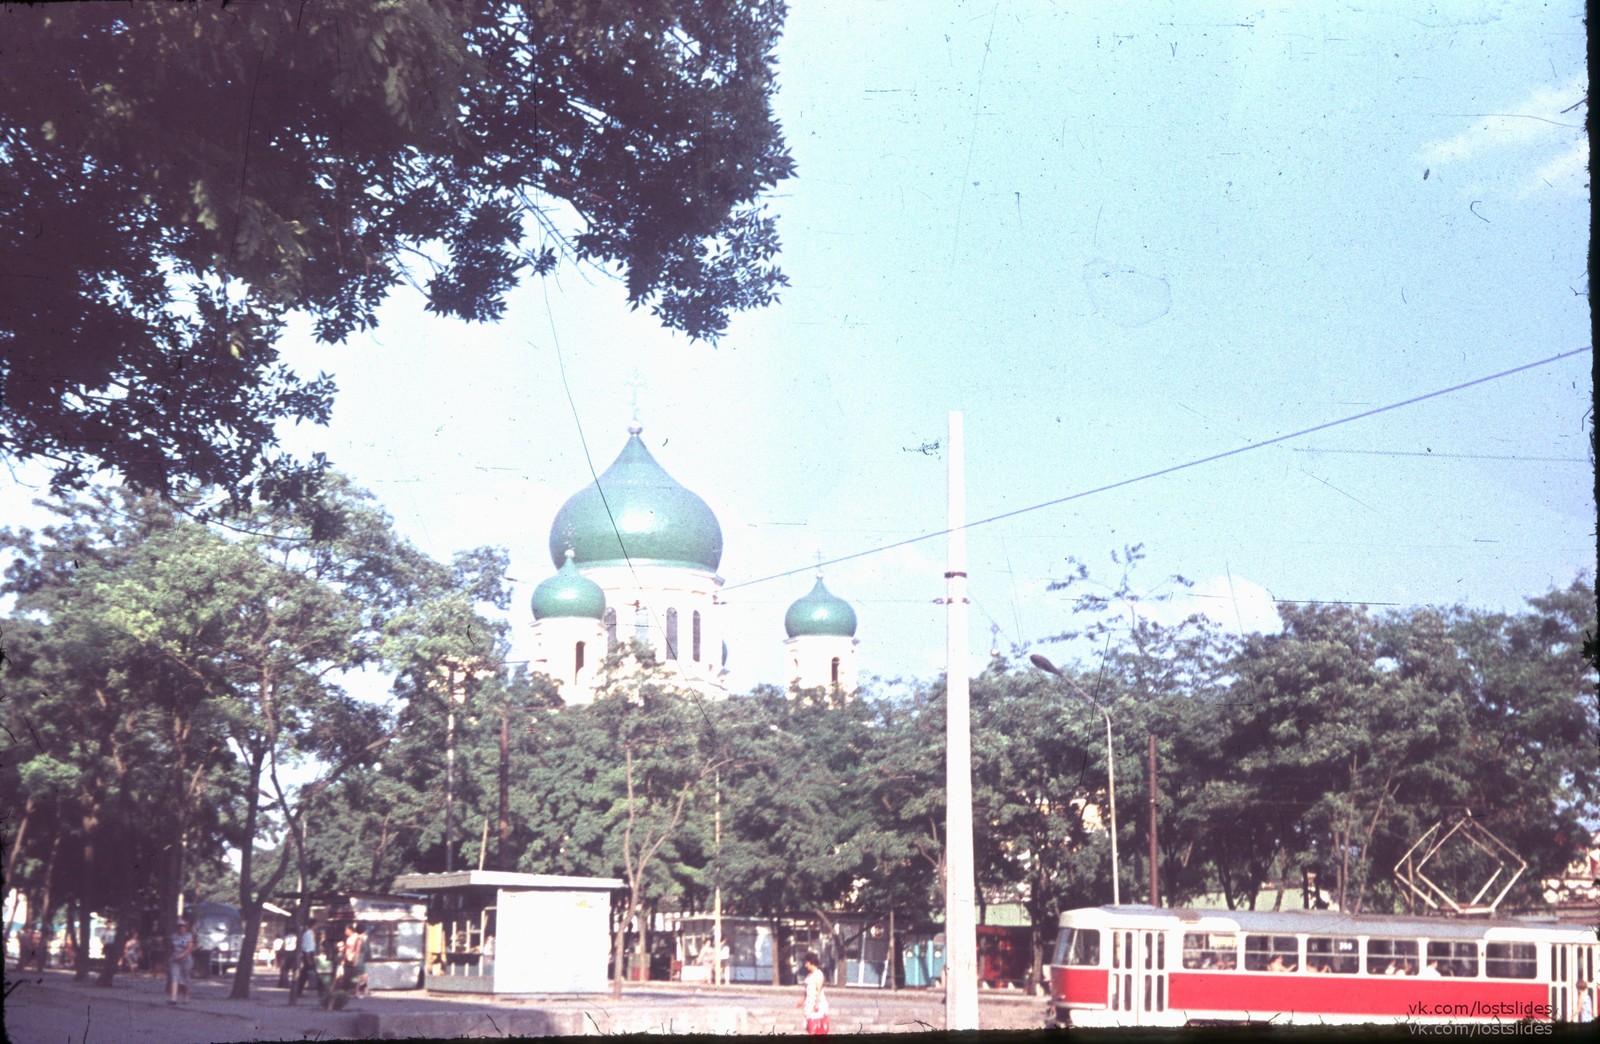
(1148, 966)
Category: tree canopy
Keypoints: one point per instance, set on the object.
(182, 176)
(161, 674)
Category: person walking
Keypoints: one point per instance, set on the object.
(307, 957)
(180, 962)
(353, 960)
(1585, 1001)
(814, 1005)
(131, 954)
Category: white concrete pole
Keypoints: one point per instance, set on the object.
(960, 915)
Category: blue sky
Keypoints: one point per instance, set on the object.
(1116, 242)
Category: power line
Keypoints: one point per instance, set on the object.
(1179, 467)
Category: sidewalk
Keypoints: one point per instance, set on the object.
(41, 1007)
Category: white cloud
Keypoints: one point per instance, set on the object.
(1535, 134)
(1536, 117)
(1568, 172)
(1235, 604)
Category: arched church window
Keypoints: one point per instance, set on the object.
(577, 662)
(672, 634)
(696, 636)
(836, 670)
(610, 619)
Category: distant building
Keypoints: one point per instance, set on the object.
(822, 641)
(637, 556)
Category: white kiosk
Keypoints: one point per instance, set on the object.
(492, 931)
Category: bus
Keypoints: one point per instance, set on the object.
(1149, 966)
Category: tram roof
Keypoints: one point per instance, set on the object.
(1333, 922)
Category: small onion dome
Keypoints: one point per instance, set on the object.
(657, 520)
(569, 593)
(820, 612)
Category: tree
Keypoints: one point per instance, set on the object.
(165, 215)
(116, 746)
(669, 753)
(1035, 749)
(1530, 734)
(781, 806)
(160, 647)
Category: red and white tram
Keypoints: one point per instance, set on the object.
(1147, 966)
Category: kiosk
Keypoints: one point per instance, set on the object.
(491, 931)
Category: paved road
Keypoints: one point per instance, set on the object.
(50, 1008)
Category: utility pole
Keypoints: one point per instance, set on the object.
(502, 845)
(960, 918)
(1155, 847)
(453, 695)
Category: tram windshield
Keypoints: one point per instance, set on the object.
(1078, 947)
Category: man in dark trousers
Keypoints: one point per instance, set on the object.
(307, 958)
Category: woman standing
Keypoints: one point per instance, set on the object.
(814, 1005)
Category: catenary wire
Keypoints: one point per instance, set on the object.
(1172, 469)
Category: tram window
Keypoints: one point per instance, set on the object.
(1277, 953)
(1457, 960)
(1391, 957)
(1503, 960)
(1078, 947)
(1333, 956)
(1210, 950)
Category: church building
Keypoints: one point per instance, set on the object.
(637, 557)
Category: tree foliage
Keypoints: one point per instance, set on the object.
(182, 176)
(161, 677)
(177, 671)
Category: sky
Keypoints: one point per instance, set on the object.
(1116, 242)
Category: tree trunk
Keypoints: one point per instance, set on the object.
(618, 948)
(86, 903)
(249, 902)
(11, 862)
(80, 947)
(127, 916)
(46, 911)
(894, 956)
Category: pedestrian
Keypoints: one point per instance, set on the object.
(180, 962)
(30, 948)
(131, 953)
(1585, 1001)
(724, 959)
(307, 963)
(814, 1005)
(288, 955)
(353, 960)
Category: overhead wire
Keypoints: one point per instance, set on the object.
(1174, 468)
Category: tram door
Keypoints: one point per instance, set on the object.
(1569, 962)
(1138, 980)
(1561, 955)
(1151, 987)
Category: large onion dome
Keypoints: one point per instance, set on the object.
(820, 612)
(658, 520)
(569, 593)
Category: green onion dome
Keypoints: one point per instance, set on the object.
(569, 593)
(820, 612)
(657, 520)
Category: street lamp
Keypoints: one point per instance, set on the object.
(1111, 772)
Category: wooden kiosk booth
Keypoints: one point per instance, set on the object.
(491, 931)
